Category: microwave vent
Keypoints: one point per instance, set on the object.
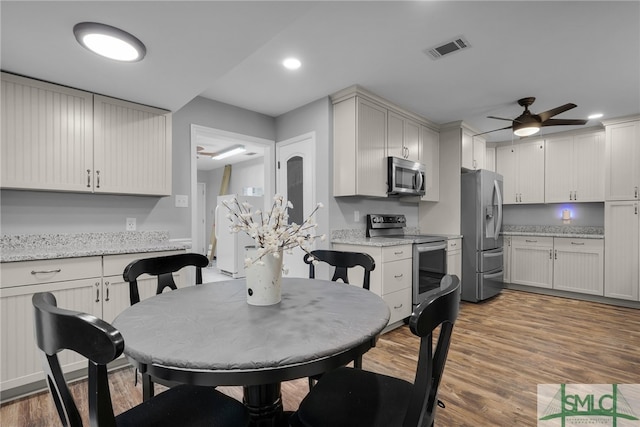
(448, 47)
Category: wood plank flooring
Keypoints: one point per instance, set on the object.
(501, 350)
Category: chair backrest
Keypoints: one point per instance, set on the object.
(342, 261)
(58, 329)
(440, 310)
(163, 267)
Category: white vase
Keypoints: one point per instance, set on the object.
(263, 278)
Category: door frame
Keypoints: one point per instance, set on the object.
(269, 166)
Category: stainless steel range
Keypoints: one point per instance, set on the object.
(429, 253)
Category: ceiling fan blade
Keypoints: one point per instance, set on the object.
(564, 122)
(499, 118)
(495, 130)
(546, 115)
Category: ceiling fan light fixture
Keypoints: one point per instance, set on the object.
(526, 129)
(110, 42)
(228, 152)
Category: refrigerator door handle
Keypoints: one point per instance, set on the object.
(496, 188)
(493, 275)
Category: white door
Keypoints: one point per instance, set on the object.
(201, 243)
(295, 181)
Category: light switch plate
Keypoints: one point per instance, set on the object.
(356, 216)
(131, 224)
(182, 201)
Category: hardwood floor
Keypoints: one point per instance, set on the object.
(501, 350)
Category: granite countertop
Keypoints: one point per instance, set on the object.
(554, 231)
(31, 247)
(358, 237)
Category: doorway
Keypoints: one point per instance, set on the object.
(295, 181)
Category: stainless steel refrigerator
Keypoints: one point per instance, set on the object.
(481, 224)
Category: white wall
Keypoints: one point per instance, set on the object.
(584, 214)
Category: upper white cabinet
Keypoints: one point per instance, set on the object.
(62, 139)
(574, 170)
(132, 148)
(431, 160)
(490, 159)
(366, 130)
(522, 169)
(473, 150)
(47, 136)
(622, 158)
(359, 148)
(403, 137)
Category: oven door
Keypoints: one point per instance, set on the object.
(429, 267)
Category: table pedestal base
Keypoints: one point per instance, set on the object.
(264, 403)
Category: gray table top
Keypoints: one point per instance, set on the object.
(211, 327)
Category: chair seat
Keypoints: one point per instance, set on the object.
(183, 405)
(356, 398)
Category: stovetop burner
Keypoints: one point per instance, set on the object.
(393, 226)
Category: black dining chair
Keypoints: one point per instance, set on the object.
(58, 329)
(342, 261)
(355, 397)
(163, 267)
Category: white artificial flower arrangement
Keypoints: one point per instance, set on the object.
(271, 230)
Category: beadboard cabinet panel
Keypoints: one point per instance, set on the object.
(622, 160)
(132, 148)
(622, 249)
(47, 136)
(578, 265)
(532, 261)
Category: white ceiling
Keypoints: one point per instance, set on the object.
(587, 53)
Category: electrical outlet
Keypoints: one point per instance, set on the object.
(131, 224)
(182, 201)
(356, 216)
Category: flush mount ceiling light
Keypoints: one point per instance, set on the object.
(526, 129)
(291, 63)
(228, 152)
(110, 42)
(595, 116)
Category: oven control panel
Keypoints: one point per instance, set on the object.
(386, 221)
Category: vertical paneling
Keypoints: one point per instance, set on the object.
(133, 148)
(590, 179)
(531, 261)
(530, 169)
(578, 265)
(47, 135)
(372, 131)
(559, 170)
(506, 166)
(622, 158)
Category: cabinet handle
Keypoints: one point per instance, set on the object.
(395, 307)
(398, 276)
(106, 291)
(97, 291)
(531, 241)
(57, 270)
(635, 192)
(555, 254)
(97, 179)
(453, 244)
(398, 253)
(636, 210)
(550, 254)
(575, 195)
(88, 178)
(578, 243)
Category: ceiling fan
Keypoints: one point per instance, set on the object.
(528, 124)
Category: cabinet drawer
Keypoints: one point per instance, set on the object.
(114, 264)
(49, 271)
(396, 275)
(533, 241)
(454, 245)
(578, 245)
(399, 304)
(394, 253)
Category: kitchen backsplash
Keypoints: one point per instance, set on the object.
(552, 229)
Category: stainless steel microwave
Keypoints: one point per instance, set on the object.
(405, 178)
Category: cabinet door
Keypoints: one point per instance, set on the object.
(506, 264)
(47, 136)
(395, 135)
(132, 148)
(559, 180)
(412, 142)
(371, 163)
(578, 265)
(589, 151)
(466, 155)
(621, 161)
(479, 152)
(532, 261)
(622, 249)
(506, 166)
(490, 159)
(431, 161)
(21, 361)
(530, 173)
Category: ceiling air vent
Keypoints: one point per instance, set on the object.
(447, 48)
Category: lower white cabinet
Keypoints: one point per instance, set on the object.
(454, 257)
(532, 261)
(392, 277)
(622, 249)
(567, 264)
(578, 265)
(79, 284)
(506, 260)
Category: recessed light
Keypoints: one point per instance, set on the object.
(595, 116)
(110, 42)
(292, 63)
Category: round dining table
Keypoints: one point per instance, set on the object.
(209, 335)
